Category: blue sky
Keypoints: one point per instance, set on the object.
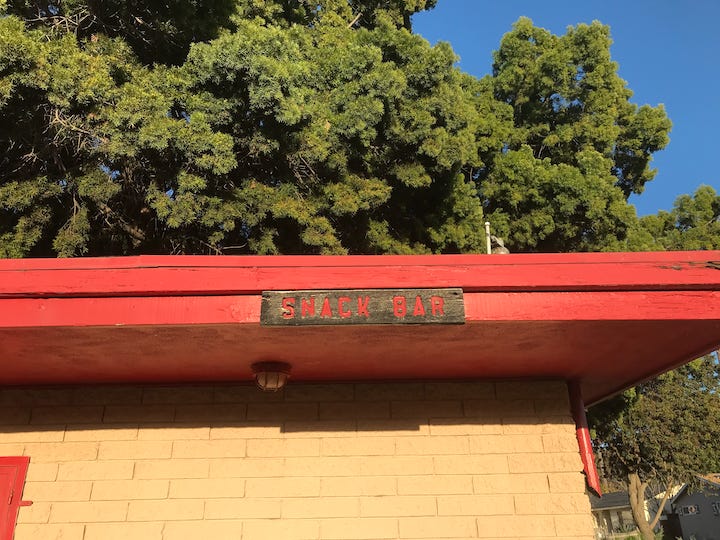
(668, 51)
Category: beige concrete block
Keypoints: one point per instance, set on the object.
(66, 415)
(319, 392)
(434, 485)
(556, 406)
(243, 508)
(244, 393)
(95, 432)
(358, 528)
(325, 466)
(475, 505)
(438, 527)
(10, 416)
(207, 488)
(280, 529)
(215, 448)
(121, 490)
(570, 482)
(172, 468)
(88, 511)
(15, 449)
(107, 395)
(41, 472)
(427, 409)
(341, 410)
(211, 413)
(215, 530)
(325, 507)
(65, 531)
(452, 426)
(392, 428)
(531, 390)
(124, 531)
(246, 430)
(166, 510)
(396, 465)
(162, 432)
(436, 445)
(36, 396)
(560, 462)
(61, 451)
(511, 483)
(560, 442)
(490, 408)
(558, 424)
(17, 434)
(57, 491)
(471, 464)
(282, 487)
(177, 394)
(95, 470)
(505, 444)
(282, 411)
(579, 525)
(531, 425)
(540, 526)
(124, 414)
(400, 391)
(358, 446)
(459, 390)
(134, 450)
(304, 429)
(538, 425)
(246, 468)
(37, 512)
(552, 503)
(396, 506)
(355, 486)
(283, 447)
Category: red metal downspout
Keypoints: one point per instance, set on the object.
(583, 436)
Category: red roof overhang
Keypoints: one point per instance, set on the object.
(606, 320)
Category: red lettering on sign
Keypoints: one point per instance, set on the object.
(307, 307)
(288, 307)
(399, 306)
(326, 309)
(437, 304)
(363, 306)
(345, 314)
(419, 307)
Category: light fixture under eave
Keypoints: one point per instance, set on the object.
(271, 376)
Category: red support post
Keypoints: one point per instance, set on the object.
(583, 436)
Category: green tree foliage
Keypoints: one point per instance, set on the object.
(578, 147)
(664, 430)
(692, 224)
(302, 127)
(286, 126)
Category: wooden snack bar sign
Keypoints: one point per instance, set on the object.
(364, 306)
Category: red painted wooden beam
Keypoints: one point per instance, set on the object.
(217, 275)
(583, 436)
(234, 309)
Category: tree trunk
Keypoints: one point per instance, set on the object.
(636, 490)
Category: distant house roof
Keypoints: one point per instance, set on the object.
(610, 501)
(713, 478)
(710, 481)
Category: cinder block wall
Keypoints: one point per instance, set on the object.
(333, 461)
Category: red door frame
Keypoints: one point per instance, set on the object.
(10, 508)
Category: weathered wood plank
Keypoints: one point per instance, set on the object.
(362, 306)
(473, 273)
